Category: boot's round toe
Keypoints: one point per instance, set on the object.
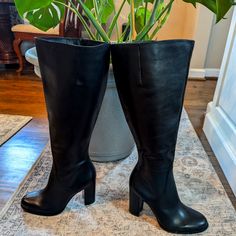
(197, 224)
(31, 201)
(191, 222)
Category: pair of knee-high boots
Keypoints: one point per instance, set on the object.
(151, 79)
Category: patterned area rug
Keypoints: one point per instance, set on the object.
(198, 185)
(10, 124)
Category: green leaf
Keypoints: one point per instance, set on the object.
(223, 7)
(219, 7)
(139, 18)
(43, 14)
(105, 9)
(30, 5)
(46, 17)
(89, 4)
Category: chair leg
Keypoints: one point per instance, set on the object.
(16, 45)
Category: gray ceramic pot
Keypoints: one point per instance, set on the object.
(111, 139)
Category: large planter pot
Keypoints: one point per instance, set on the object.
(111, 139)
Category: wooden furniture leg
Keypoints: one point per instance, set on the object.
(16, 45)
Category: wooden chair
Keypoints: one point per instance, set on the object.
(70, 26)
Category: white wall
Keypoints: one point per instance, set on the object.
(210, 41)
(201, 37)
(219, 34)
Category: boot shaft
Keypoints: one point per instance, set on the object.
(74, 74)
(151, 79)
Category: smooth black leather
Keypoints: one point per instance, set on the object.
(74, 74)
(151, 79)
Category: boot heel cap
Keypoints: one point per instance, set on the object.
(134, 212)
(89, 193)
(135, 203)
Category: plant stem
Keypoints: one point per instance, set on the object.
(145, 13)
(117, 31)
(153, 15)
(95, 23)
(96, 9)
(159, 26)
(84, 23)
(115, 19)
(81, 18)
(133, 33)
(152, 22)
(116, 25)
(124, 33)
(117, 28)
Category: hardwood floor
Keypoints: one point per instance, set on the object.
(23, 95)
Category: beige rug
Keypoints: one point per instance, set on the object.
(198, 185)
(11, 124)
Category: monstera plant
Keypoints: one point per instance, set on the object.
(145, 18)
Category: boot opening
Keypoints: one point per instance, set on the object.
(70, 41)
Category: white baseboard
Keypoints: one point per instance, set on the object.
(212, 72)
(221, 135)
(197, 73)
(202, 73)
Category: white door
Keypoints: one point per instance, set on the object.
(220, 121)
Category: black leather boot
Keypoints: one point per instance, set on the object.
(151, 79)
(74, 74)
